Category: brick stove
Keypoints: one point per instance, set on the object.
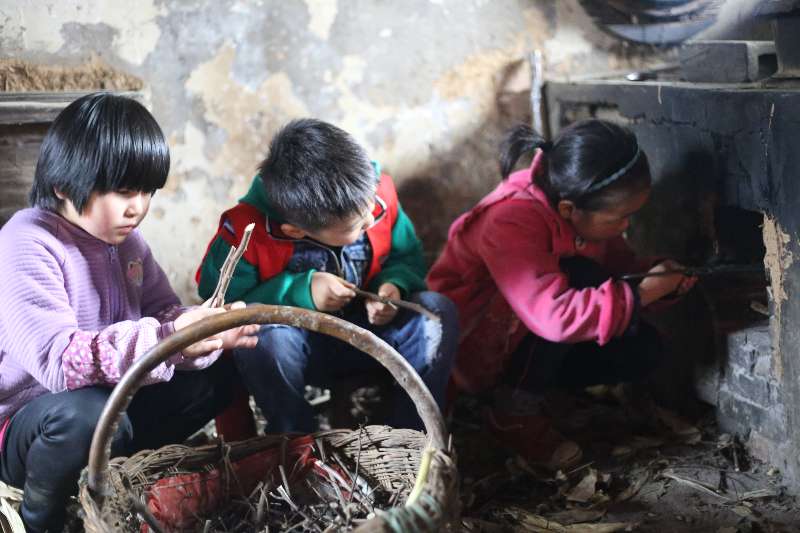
(725, 154)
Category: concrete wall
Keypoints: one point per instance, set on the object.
(426, 85)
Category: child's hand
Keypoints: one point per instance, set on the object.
(656, 287)
(380, 313)
(330, 292)
(686, 285)
(241, 337)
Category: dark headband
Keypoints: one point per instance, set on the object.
(616, 175)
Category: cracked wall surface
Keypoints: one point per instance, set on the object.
(426, 86)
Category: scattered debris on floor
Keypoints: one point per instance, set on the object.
(647, 470)
(644, 470)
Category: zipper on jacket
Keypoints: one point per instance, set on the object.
(115, 287)
(339, 271)
(336, 260)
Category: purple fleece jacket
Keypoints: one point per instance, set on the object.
(75, 311)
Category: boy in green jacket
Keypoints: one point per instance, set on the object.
(326, 220)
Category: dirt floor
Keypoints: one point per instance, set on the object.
(643, 470)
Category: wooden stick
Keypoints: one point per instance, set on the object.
(697, 485)
(211, 302)
(397, 303)
(707, 270)
(228, 267)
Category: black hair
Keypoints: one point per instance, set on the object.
(102, 143)
(316, 174)
(591, 163)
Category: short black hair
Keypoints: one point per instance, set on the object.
(579, 163)
(101, 142)
(316, 174)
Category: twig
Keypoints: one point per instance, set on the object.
(321, 447)
(395, 496)
(417, 308)
(697, 485)
(360, 494)
(223, 272)
(142, 510)
(285, 495)
(343, 509)
(285, 479)
(261, 508)
(697, 466)
(758, 493)
(358, 460)
(287, 498)
(334, 482)
(228, 267)
(579, 468)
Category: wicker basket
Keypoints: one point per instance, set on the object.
(419, 468)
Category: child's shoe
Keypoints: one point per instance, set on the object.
(534, 438)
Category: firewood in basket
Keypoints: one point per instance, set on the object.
(226, 272)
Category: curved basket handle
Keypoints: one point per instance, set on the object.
(345, 331)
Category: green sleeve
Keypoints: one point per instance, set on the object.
(405, 266)
(287, 288)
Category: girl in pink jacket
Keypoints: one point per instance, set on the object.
(532, 270)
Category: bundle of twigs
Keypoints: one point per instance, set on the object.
(327, 500)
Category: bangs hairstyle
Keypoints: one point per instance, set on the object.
(99, 143)
(593, 163)
(316, 175)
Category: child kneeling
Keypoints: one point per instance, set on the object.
(328, 220)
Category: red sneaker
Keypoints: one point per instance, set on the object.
(534, 438)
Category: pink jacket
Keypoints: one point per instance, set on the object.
(501, 268)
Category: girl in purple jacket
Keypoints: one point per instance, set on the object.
(82, 298)
(533, 271)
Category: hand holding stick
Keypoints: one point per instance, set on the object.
(397, 303)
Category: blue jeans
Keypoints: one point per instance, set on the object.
(287, 359)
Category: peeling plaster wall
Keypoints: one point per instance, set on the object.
(778, 260)
(426, 85)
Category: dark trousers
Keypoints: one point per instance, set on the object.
(539, 364)
(47, 442)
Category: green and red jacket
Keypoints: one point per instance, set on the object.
(261, 275)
